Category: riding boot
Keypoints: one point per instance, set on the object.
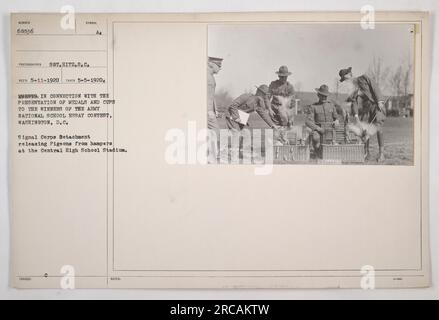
(380, 138)
(366, 151)
(381, 155)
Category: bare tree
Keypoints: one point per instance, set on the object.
(407, 82)
(400, 83)
(396, 81)
(407, 79)
(401, 79)
(378, 73)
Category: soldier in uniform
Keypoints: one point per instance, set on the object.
(367, 105)
(213, 67)
(320, 113)
(280, 87)
(249, 103)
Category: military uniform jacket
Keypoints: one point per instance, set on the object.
(211, 85)
(367, 90)
(249, 103)
(277, 88)
(320, 113)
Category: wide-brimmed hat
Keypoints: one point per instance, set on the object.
(324, 90)
(343, 72)
(283, 71)
(216, 60)
(263, 88)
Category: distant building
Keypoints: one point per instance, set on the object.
(400, 106)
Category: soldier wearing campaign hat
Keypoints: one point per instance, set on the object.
(367, 105)
(217, 61)
(214, 65)
(248, 102)
(280, 87)
(320, 114)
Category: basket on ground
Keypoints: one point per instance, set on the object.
(343, 152)
(340, 145)
(291, 153)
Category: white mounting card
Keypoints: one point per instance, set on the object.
(114, 186)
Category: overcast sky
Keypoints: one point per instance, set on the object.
(314, 53)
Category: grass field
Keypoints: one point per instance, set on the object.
(398, 142)
(398, 139)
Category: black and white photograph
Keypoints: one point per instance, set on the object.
(253, 153)
(331, 93)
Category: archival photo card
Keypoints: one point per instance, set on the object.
(298, 159)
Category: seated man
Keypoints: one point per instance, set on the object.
(249, 103)
(282, 93)
(320, 114)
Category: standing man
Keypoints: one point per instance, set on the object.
(321, 113)
(367, 105)
(213, 67)
(279, 113)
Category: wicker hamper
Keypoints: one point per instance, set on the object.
(340, 145)
(333, 134)
(291, 153)
(343, 152)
